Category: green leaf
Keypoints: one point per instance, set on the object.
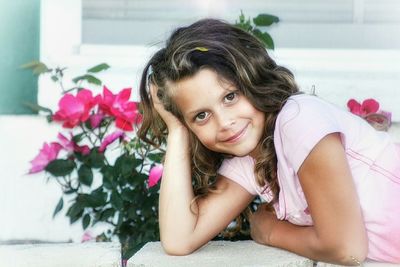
(75, 212)
(77, 138)
(54, 78)
(37, 108)
(88, 78)
(128, 194)
(265, 38)
(98, 68)
(126, 164)
(95, 159)
(86, 221)
(116, 201)
(265, 20)
(31, 65)
(157, 157)
(60, 167)
(37, 67)
(70, 191)
(107, 213)
(58, 207)
(93, 80)
(95, 199)
(243, 24)
(120, 219)
(85, 175)
(241, 17)
(108, 177)
(88, 125)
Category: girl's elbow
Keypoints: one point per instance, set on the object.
(348, 258)
(347, 252)
(174, 248)
(352, 255)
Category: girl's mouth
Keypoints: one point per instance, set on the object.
(234, 138)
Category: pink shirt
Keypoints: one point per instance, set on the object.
(373, 157)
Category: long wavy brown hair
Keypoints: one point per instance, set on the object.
(237, 57)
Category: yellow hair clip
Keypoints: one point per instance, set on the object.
(201, 49)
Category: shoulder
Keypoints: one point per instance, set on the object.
(304, 113)
(237, 166)
(240, 170)
(303, 107)
(302, 123)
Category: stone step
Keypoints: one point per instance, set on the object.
(228, 254)
(214, 254)
(88, 254)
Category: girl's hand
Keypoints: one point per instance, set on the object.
(262, 223)
(170, 120)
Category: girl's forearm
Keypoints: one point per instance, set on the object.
(304, 241)
(176, 219)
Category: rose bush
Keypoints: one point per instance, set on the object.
(369, 110)
(107, 175)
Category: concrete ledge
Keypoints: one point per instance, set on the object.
(89, 254)
(214, 254)
(228, 254)
(219, 253)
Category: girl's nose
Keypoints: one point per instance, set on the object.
(226, 121)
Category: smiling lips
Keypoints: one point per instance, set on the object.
(236, 136)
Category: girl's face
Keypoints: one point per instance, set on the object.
(218, 114)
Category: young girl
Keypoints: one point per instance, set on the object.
(236, 122)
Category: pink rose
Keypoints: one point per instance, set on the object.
(109, 139)
(75, 109)
(125, 112)
(368, 106)
(70, 146)
(47, 154)
(155, 175)
(95, 120)
(87, 236)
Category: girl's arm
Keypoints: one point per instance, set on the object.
(186, 226)
(338, 234)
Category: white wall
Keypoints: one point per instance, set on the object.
(338, 74)
(355, 46)
(27, 201)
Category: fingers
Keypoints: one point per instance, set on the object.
(170, 120)
(153, 93)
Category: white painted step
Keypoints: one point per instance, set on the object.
(89, 254)
(228, 254)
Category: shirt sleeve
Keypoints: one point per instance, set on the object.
(302, 124)
(239, 170)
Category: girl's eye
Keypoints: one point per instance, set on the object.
(230, 97)
(201, 116)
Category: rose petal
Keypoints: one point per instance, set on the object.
(95, 120)
(109, 139)
(354, 106)
(155, 175)
(75, 109)
(369, 106)
(46, 154)
(65, 142)
(87, 236)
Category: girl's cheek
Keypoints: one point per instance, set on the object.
(204, 138)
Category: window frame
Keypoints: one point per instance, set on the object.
(61, 45)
